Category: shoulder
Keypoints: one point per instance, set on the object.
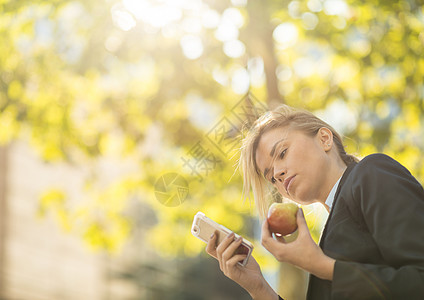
(380, 170)
(379, 163)
(377, 159)
(377, 183)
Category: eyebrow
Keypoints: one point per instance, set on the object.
(272, 154)
(275, 146)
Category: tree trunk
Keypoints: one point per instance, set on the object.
(3, 214)
(260, 43)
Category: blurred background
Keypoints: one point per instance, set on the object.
(119, 120)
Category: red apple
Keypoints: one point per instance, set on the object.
(282, 218)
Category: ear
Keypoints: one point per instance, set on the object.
(325, 137)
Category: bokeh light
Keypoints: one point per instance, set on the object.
(286, 35)
(192, 46)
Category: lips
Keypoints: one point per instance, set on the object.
(287, 182)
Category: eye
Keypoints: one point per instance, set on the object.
(281, 156)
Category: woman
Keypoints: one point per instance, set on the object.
(372, 246)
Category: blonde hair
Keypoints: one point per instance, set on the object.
(282, 116)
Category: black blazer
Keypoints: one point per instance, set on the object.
(375, 231)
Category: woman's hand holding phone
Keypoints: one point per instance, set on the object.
(248, 277)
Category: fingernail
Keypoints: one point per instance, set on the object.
(212, 235)
(242, 258)
(231, 235)
(238, 239)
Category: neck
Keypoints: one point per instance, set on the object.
(336, 170)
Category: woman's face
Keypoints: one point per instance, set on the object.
(296, 164)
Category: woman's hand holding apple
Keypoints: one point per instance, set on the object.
(302, 252)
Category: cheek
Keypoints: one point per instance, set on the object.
(312, 158)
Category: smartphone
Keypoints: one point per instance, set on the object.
(203, 227)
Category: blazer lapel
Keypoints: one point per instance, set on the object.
(342, 181)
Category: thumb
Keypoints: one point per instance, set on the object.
(301, 221)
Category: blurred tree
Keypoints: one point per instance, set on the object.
(161, 84)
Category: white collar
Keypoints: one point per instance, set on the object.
(330, 198)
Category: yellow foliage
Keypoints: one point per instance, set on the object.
(53, 197)
(15, 89)
(54, 201)
(367, 149)
(9, 127)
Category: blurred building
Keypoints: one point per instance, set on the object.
(37, 260)
(41, 261)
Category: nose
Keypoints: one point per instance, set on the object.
(279, 174)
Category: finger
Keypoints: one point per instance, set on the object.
(231, 249)
(232, 262)
(267, 235)
(269, 242)
(221, 248)
(228, 254)
(301, 221)
(265, 230)
(224, 244)
(211, 246)
(280, 238)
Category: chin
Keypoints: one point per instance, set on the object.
(303, 197)
(301, 200)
